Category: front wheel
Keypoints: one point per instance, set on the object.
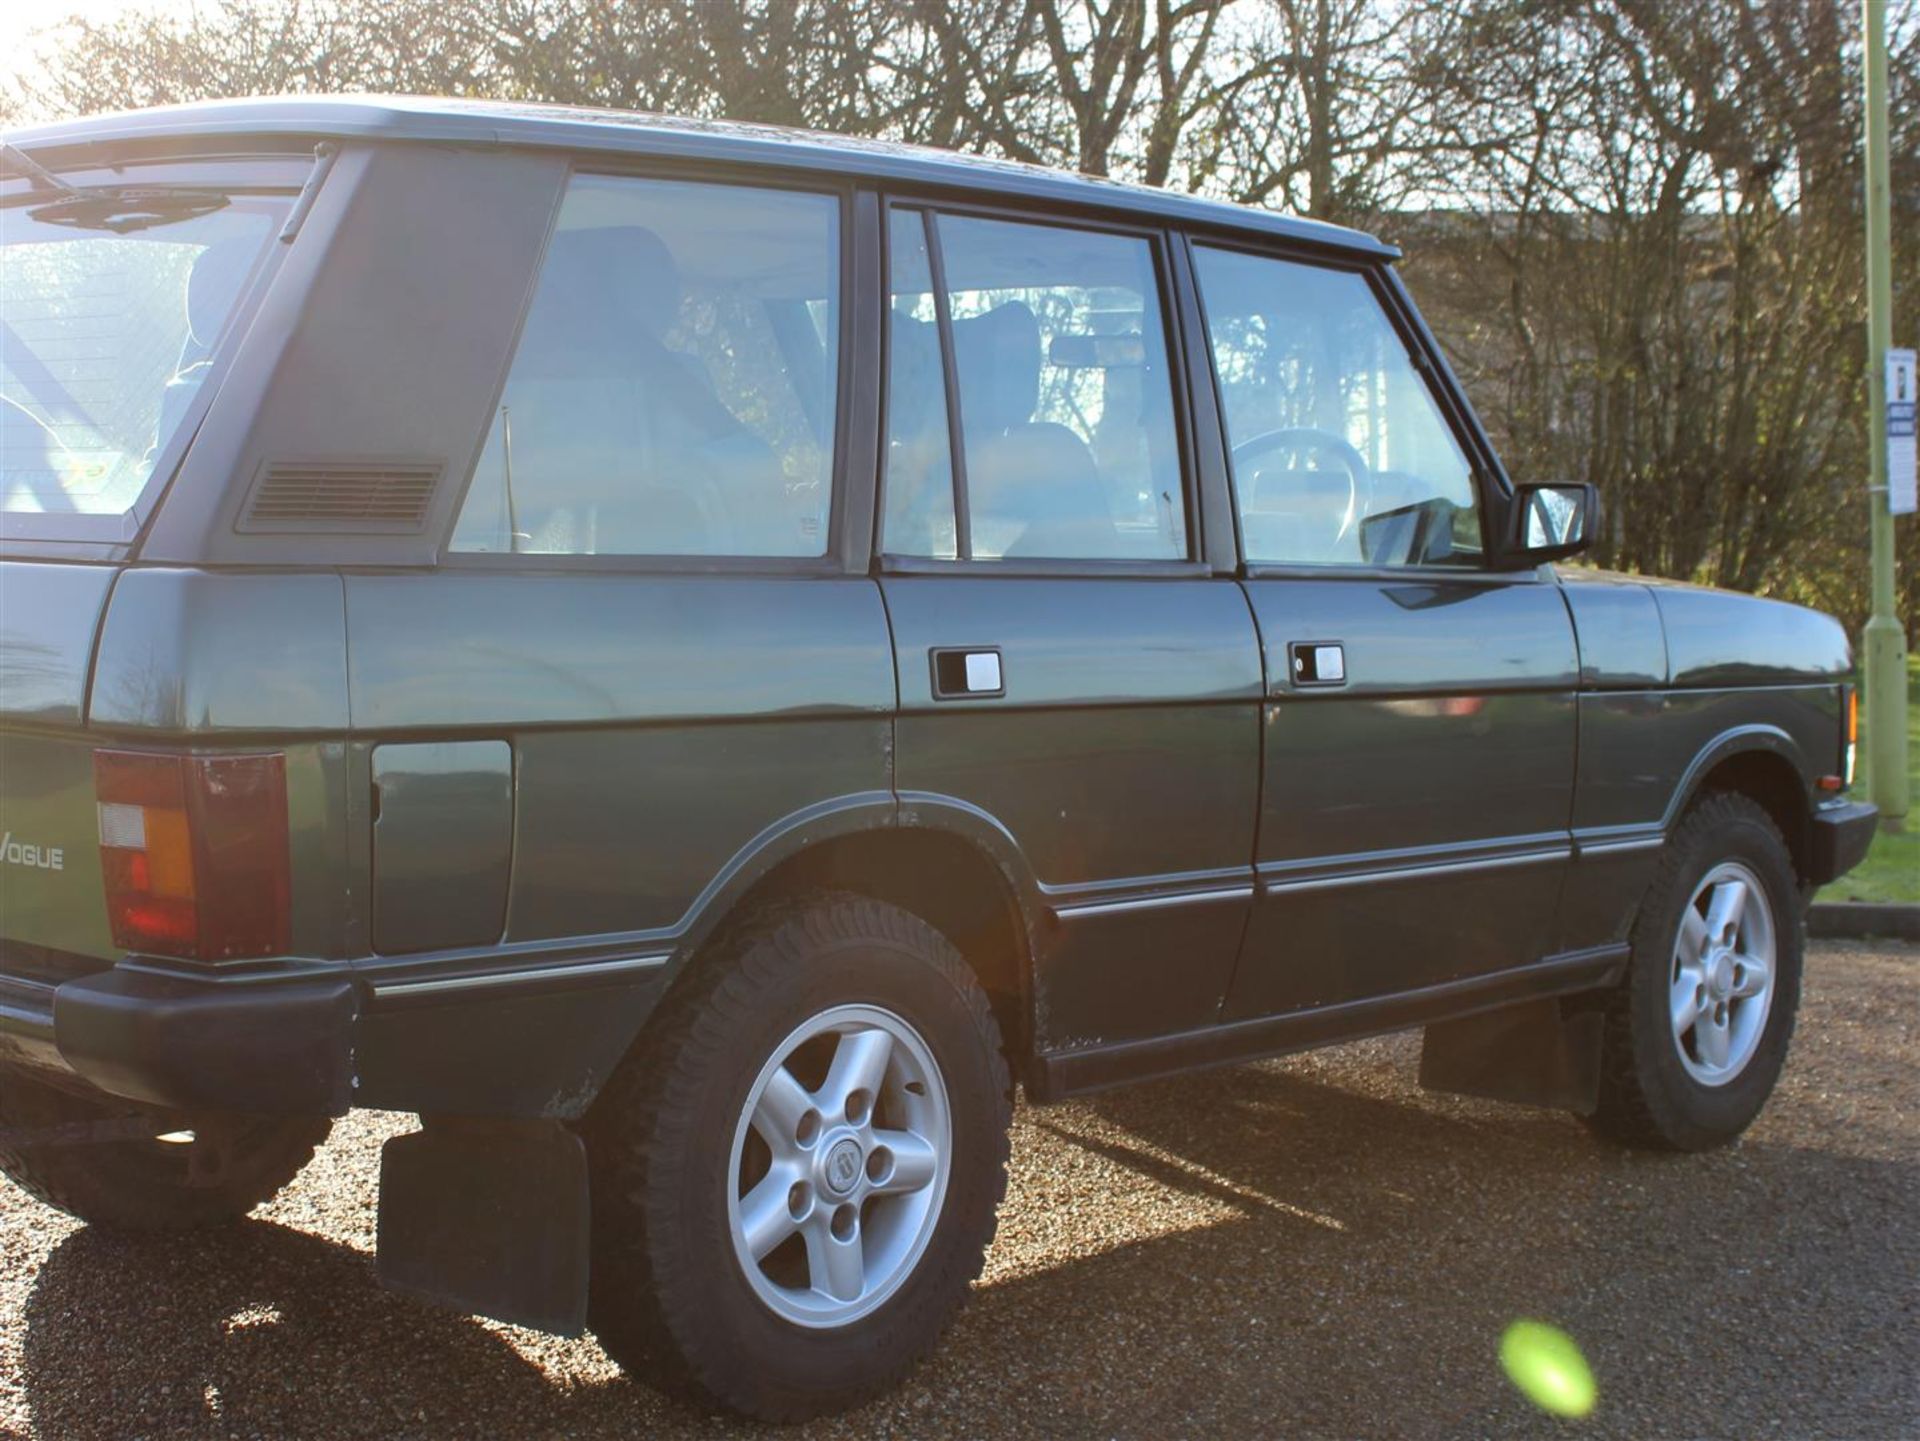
(1697, 1031)
(795, 1174)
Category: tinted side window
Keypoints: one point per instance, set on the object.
(1065, 403)
(1340, 454)
(673, 392)
(919, 486)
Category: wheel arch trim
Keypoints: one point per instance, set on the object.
(1737, 741)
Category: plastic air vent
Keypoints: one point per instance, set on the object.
(365, 497)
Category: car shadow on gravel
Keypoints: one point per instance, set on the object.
(258, 1330)
(1357, 1252)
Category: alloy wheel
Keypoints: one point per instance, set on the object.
(1721, 983)
(839, 1166)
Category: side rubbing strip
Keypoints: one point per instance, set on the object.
(1412, 873)
(1150, 903)
(527, 976)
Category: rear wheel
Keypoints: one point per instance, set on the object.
(199, 1171)
(796, 1173)
(1697, 1031)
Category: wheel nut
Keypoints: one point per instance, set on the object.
(879, 1165)
(808, 1131)
(799, 1200)
(859, 1107)
(845, 1220)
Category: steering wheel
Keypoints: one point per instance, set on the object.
(1306, 440)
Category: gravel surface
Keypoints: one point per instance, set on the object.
(1307, 1247)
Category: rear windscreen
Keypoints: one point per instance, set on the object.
(107, 336)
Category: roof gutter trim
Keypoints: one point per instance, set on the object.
(355, 119)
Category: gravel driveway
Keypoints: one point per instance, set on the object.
(1305, 1247)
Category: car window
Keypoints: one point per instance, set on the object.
(919, 484)
(673, 390)
(107, 334)
(1066, 416)
(1340, 455)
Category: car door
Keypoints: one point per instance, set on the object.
(1075, 676)
(1418, 728)
(651, 658)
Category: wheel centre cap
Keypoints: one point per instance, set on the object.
(842, 1166)
(1720, 975)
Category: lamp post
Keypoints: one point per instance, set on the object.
(1885, 641)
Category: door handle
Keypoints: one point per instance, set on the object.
(1317, 663)
(967, 672)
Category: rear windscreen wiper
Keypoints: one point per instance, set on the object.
(119, 208)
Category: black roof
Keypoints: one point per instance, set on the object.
(492, 122)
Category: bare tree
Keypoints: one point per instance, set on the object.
(1637, 222)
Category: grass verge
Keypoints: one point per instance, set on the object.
(1891, 871)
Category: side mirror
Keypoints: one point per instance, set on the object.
(1551, 522)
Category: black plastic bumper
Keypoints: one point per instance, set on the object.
(1841, 835)
(265, 1046)
(318, 1041)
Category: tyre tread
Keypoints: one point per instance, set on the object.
(81, 1180)
(1634, 1108)
(639, 1140)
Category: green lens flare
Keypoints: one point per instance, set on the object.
(1548, 1368)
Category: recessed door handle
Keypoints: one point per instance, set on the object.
(1317, 662)
(967, 673)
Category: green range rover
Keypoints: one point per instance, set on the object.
(698, 658)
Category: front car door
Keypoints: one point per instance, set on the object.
(1075, 676)
(1418, 729)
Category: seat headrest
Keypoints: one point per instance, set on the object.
(213, 285)
(998, 357)
(598, 290)
(916, 398)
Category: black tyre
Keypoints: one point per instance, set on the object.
(796, 1172)
(1697, 1031)
(212, 1169)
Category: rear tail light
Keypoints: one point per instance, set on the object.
(1850, 699)
(193, 850)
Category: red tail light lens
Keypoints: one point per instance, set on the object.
(1852, 750)
(193, 850)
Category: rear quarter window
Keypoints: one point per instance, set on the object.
(673, 392)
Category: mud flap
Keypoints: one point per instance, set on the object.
(1539, 1053)
(491, 1217)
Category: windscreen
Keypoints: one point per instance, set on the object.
(106, 338)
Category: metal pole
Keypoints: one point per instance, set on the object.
(1885, 641)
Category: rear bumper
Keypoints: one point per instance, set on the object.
(266, 1046)
(320, 1039)
(1841, 834)
(26, 1025)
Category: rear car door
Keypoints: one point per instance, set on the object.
(650, 659)
(1076, 679)
(1419, 722)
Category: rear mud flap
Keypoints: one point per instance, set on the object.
(489, 1217)
(1540, 1053)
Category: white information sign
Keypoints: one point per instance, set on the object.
(1901, 399)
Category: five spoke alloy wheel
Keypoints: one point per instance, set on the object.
(1694, 1034)
(1721, 985)
(839, 1166)
(795, 1171)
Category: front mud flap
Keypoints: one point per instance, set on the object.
(491, 1217)
(1538, 1053)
